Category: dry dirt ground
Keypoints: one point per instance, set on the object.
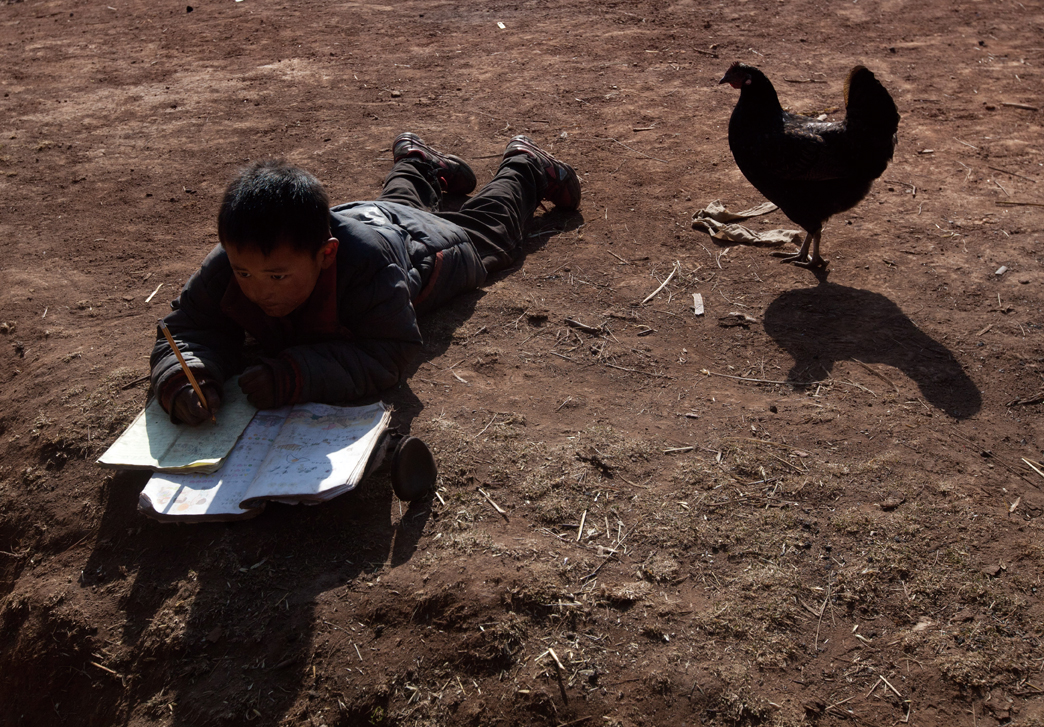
(810, 505)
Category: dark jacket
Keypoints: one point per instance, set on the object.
(356, 333)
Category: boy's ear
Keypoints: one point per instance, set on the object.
(328, 252)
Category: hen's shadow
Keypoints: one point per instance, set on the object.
(828, 323)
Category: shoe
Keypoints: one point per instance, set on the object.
(563, 186)
(455, 176)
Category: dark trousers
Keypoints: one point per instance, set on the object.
(495, 218)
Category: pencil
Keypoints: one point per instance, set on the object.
(187, 370)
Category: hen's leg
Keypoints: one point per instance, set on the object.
(816, 261)
(799, 257)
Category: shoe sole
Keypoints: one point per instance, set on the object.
(463, 181)
(568, 197)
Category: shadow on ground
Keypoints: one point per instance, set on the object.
(828, 323)
(230, 608)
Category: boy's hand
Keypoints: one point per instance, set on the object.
(188, 408)
(259, 385)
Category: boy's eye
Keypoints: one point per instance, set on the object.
(242, 274)
(278, 277)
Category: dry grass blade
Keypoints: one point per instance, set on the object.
(765, 442)
(819, 624)
(835, 705)
(1035, 466)
(558, 672)
(878, 374)
(761, 381)
(636, 371)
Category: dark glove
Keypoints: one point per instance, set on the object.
(259, 385)
(188, 409)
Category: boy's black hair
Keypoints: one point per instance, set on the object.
(271, 203)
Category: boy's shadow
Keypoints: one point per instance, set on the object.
(828, 323)
(220, 618)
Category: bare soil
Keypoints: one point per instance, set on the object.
(810, 505)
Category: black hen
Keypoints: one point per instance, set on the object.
(811, 169)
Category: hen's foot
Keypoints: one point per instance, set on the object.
(800, 260)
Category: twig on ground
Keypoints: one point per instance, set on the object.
(780, 445)
(1014, 174)
(105, 668)
(634, 371)
(486, 427)
(822, 610)
(584, 327)
(788, 464)
(878, 374)
(762, 381)
(558, 671)
(889, 685)
(913, 188)
(496, 507)
(995, 458)
(647, 156)
(634, 484)
(837, 704)
(677, 267)
(1035, 399)
(139, 380)
(1035, 466)
(605, 560)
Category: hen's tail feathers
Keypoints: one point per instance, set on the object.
(872, 116)
(869, 105)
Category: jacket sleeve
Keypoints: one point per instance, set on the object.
(208, 339)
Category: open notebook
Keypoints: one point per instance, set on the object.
(307, 453)
(154, 442)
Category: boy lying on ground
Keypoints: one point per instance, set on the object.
(331, 296)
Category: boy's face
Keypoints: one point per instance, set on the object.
(282, 280)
